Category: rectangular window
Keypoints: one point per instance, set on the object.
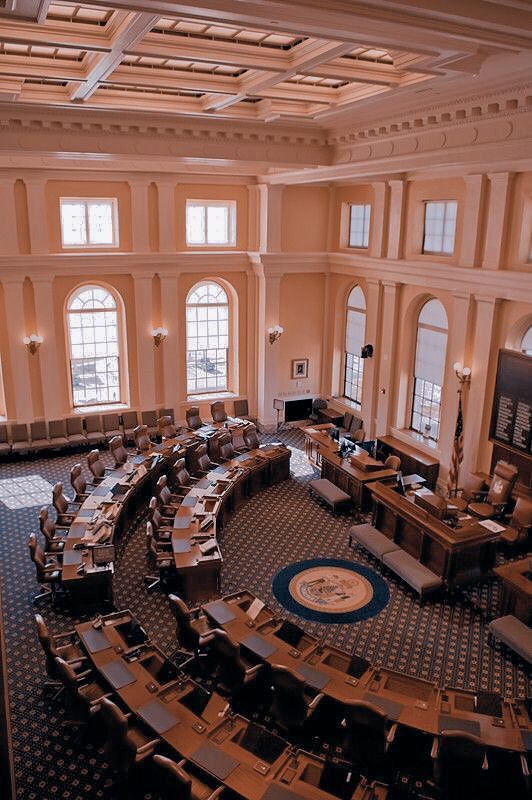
(426, 404)
(89, 223)
(211, 222)
(354, 370)
(440, 226)
(359, 216)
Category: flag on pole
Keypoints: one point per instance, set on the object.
(458, 450)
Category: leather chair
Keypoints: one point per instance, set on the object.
(290, 706)
(218, 411)
(57, 431)
(20, 440)
(192, 627)
(167, 412)
(5, 446)
(75, 434)
(368, 736)
(149, 418)
(94, 430)
(83, 690)
(393, 462)
(166, 428)
(54, 543)
(177, 784)
(142, 440)
(359, 435)
(200, 460)
(96, 466)
(356, 424)
(251, 439)
(169, 502)
(183, 480)
(159, 557)
(47, 568)
(469, 492)
(65, 508)
(78, 483)
(317, 405)
(162, 526)
(39, 436)
(498, 494)
(226, 447)
(460, 765)
(70, 651)
(127, 742)
(130, 421)
(231, 671)
(346, 424)
(194, 421)
(111, 426)
(520, 522)
(241, 410)
(118, 451)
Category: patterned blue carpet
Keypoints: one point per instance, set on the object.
(439, 641)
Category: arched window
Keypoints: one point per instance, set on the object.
(93, 332)
(207, 314)
(526, 342)
(355, 330)
(431, 347)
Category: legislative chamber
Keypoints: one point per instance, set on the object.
(265, 400)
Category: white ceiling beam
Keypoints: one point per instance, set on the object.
(90, 37)
(133, 28)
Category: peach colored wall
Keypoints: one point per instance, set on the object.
(21, 211)
(420, 191)
(305, 218)
(359, 193)
(519, 237)
(184, 192)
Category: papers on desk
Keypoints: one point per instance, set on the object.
(492, 526)
(255, 609)
(207, 547)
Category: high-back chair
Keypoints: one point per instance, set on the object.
(232, 672)
(20, 440)
(78, 483)
(65, 646)
(520, 523)
(241, 410)
(54, 543)
(251, 439)
(498, 494)
(111, 426)
(359, 435)
(194, 421)
(39, 436)
(166, 428)
(169, 501)
(226, 447)
(130, 421)
(460, 765)
(162, 526)
(192, 630)
(393, 462)
(96, 466)
(159, 556)
(290, 706)
(218, 411)
(118, 451)
(83, 690)
(57, 431)
(177, 784)
(367, 736)
(48, 571)
(142, 439)
(470, 491)
(94, 429)
(127, 742)
(200, 459)
(66, 509)
(5, 446)
(149, 418)
(167, 412)
(181, 475)
(75, 434)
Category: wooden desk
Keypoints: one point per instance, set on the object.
(352, 479)
(412, 460)
(317, 436)
(516, 579)
(458, 555)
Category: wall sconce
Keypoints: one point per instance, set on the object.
(33, 342)
(462, 373)
(275, 333)
(159, 335)
(367, 351)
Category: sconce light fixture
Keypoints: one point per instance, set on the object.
(275, 333)
(159, 335)
(367, 351)
(462, 373)
(33, 342)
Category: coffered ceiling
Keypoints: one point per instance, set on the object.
(296, 62)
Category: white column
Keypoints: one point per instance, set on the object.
(471, 224)
(271, 208)
(497, 219)
(371, 371)
(140, 215)
(173, 348)
(166, 215)
(385, 401)
(480, 360)
(269, 296)
(47, 354)
(18, 354)
(396, 218)
(143, 285)
(377, 227)
(457, 344)
(37, 215)
(9, 239)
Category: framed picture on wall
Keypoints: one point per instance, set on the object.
(299, 368)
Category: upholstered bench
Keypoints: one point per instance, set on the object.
(419, 577)
(371, 539)
(514, 634)
(330, 494)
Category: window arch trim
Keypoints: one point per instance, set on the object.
(211, 362)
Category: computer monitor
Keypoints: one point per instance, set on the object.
(400, 484)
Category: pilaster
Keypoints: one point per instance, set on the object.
(37, 215)
(18, 354)
(385, 399)
(271, 197)
(9, 239)
(371, 370)
(173, 357)
(143, 286)
(497, 219)
(48, 353)
(377, 226)
(140, 215)
(166, 215)
(396, 218)
(471, 220)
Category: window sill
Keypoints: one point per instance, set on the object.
(349, 405)
(98, 409)
(416, 440)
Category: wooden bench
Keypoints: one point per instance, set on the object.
(334, 497)
(419, 577)
(514, 634)
(372, 540)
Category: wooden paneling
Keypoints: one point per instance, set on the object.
(413, 462)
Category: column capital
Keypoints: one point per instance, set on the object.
(500, 177)
(488, 300)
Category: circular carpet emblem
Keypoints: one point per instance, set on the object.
(330, 590)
